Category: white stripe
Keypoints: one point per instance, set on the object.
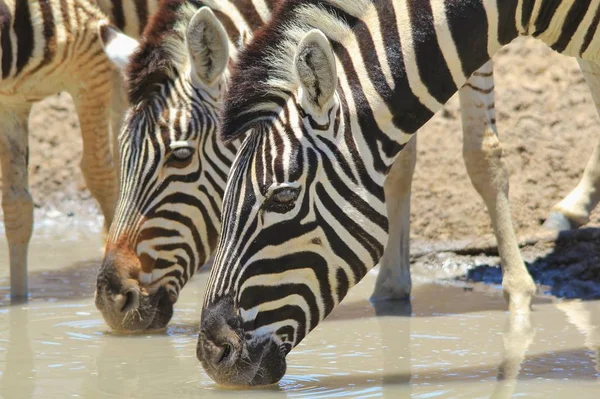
(262, 9)
(410, 63)
(491, 10)
(447, 45)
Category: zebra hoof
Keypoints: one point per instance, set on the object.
(557, 221)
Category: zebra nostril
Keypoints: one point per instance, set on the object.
(227, 351)
(131, 301)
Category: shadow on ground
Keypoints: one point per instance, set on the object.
(568, 267)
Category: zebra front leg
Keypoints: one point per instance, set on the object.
(17, 203)
(574, 210)
(393, 281)
(482, 153)
(93, 109)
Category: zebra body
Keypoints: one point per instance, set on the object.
(327, 95)
(173, 165)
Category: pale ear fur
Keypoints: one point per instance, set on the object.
(316, 69)
(118, 47)
(208, 46)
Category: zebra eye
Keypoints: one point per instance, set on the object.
(180, 157)
(282, 200)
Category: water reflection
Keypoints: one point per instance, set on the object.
(446, 343)
(585, 316)
(516, 339)
(18, 371)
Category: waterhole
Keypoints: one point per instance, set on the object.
(452, 341)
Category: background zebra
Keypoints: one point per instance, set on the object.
(47, 47)
(325, 117)
(174, 166)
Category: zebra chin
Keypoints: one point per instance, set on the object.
(229, 358)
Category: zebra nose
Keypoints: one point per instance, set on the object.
(116, 291)
(219, 341)
(216, 352)
(128, 300)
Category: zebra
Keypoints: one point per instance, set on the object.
(139, 278)
(325, 97)
(47, 47)
(141, 274)
(173, 165)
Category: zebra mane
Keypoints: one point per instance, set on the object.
(264, 77)
(162, 54)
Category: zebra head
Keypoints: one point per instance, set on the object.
(304, 215)
(173, 165)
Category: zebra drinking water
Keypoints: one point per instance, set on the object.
(173, 165)
(326, 96)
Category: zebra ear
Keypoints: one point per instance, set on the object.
(208, 46)
(118, 46)
(316, 70)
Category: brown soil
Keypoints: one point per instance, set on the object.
(546, 118)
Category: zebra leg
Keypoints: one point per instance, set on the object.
(93, 109)
(574, 210)
(482, 153)
(393, 281)
(17, 203)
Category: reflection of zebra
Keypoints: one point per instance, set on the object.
(173, 166)
(46, 47)
(328, 94)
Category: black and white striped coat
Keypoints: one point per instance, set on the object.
(173, 165)
(327, 96)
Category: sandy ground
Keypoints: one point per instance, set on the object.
(547, 122)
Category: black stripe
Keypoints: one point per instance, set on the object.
(118, 14)
(251, 16)
(433, 67)
(590, 33)
(141, 8)
(544, 17)
(49, 34)
(467, 20)
(507, 21)
(526, 11)
(571, 24)
(252, 296)
(365, 240)
(409, 114)
(343, 285)
(5, 39)
(24, 32)
(231, 29)
(64, 9)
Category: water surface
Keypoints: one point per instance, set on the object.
(453, 342)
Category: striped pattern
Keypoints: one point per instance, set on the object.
(49, 46)
(304, 214)
(174, 166)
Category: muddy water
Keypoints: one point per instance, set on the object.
(455, 344)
